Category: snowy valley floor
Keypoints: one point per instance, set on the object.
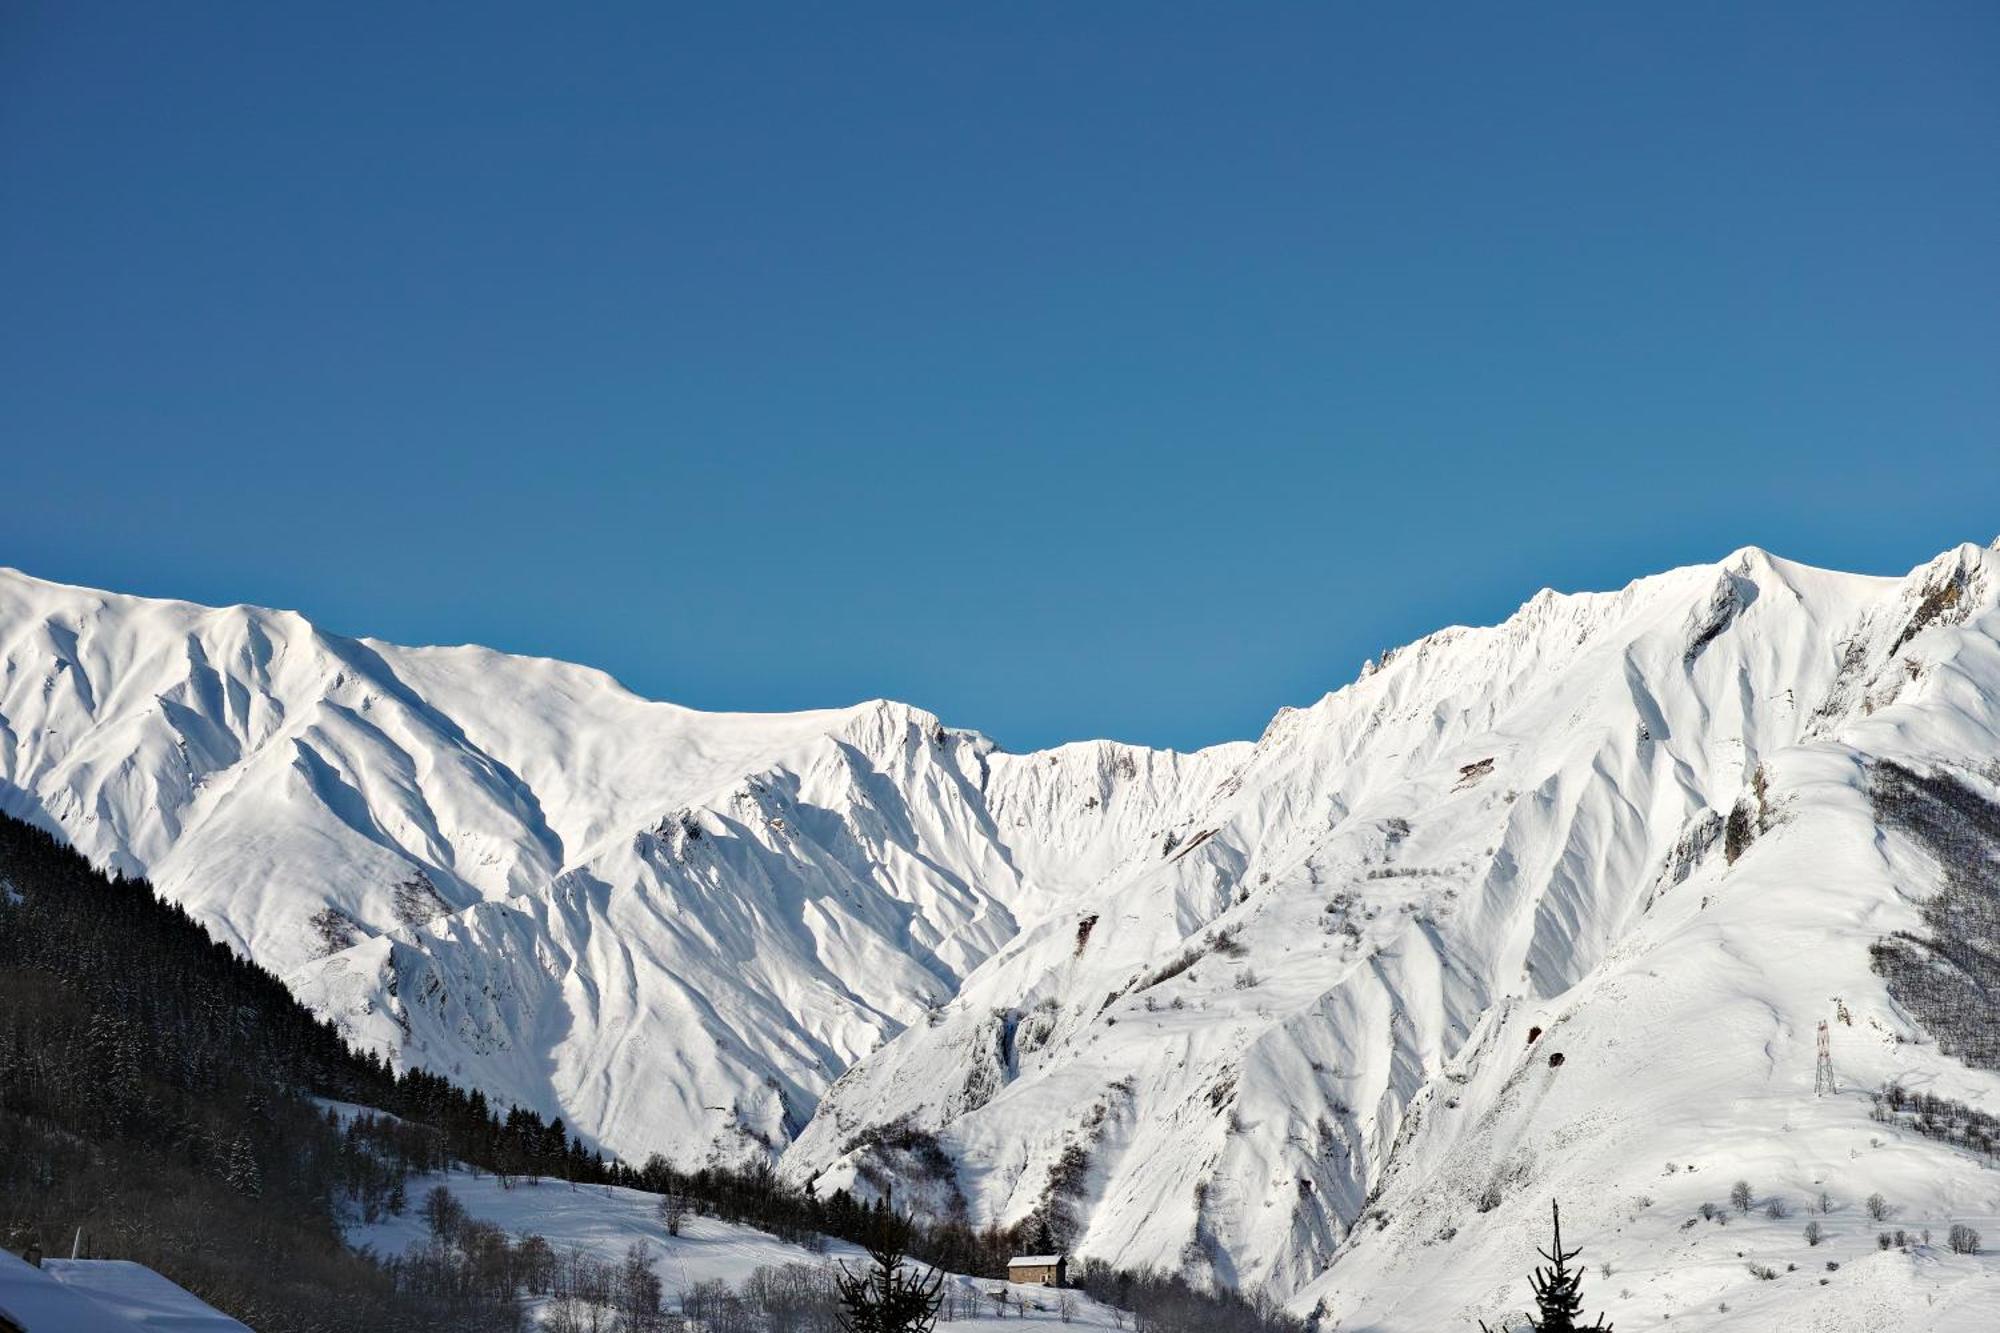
(603, 1220)
(1668, 1274)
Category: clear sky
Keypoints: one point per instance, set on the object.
(1071, 370)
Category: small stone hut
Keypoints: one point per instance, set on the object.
(1039, 1270)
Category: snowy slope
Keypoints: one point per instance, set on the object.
(672, 928)
(602, 1221)
(1494, 830)
(1260, 1012)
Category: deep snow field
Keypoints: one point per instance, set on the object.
(603, 1220)
(1678, 1277)
(1668, 1274)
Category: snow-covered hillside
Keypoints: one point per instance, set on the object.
(1285, 1014)
(602, 1221)
(672, 928)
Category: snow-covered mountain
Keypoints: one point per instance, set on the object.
(673, 928)
(1524, 911)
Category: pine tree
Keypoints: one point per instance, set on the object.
(1558, 1290)
(241, 1170)
(888, 1298)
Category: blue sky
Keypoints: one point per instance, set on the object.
(1121, 369)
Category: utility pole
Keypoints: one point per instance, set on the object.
(1823, 1084)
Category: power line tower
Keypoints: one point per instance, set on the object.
(1823, 1084)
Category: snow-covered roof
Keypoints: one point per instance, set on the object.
(101, 1296)
(1034, 1260)
(140, 1295)
(38, 1303)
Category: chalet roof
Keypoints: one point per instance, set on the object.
(40, 1304)
(141, 1295)
(1034, 1261)
(101, 1296)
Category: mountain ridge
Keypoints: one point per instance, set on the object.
(1197, 1010)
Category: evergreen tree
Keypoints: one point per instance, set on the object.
(887, 1298)
(241, 1170)
(1558, 1290)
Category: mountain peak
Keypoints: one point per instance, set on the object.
(1280, 1015)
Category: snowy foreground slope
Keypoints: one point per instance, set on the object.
(1262, 1013)
(602, 1221)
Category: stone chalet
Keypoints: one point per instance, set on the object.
(1039, 1270)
